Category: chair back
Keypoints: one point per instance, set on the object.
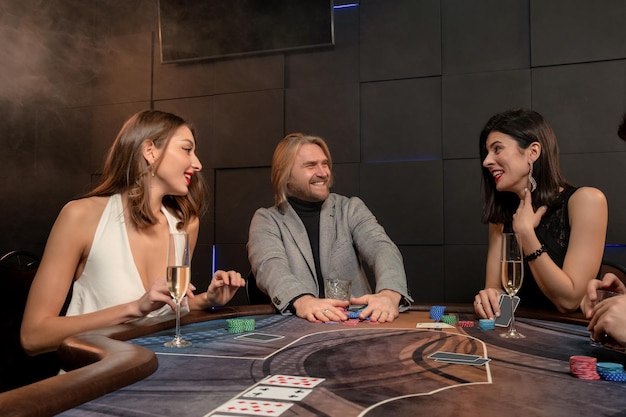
(17, 270)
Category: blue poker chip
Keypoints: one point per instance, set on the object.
(486, 324)
(613, 376)
(610, 367)
(436, 312)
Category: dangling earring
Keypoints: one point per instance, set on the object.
(533, 183)
(152, 170)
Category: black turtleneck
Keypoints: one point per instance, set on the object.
(309, 213)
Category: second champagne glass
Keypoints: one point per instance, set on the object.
(178, 276)
(512, 275)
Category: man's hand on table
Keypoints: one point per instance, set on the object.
(381, 307)
(320, 309)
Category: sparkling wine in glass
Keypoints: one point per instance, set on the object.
(178, 276)
(512, 275)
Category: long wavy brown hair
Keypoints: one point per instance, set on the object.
(127, 171)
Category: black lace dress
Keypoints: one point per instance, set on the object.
(553, 232)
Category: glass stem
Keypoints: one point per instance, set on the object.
(177, 319)
(512, 315)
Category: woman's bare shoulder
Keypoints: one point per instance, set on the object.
(85, 210)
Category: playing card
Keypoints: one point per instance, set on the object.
(278, 393)
(259, 337)
(478, 361)
(292, 381)
(254, 407)
(504, 320)
(453, 356)
(436, 326)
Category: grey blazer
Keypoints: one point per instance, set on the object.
(282, 261)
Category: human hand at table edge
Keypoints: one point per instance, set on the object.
(382, 306)
(320, 309)
(486, 303)
(610, 282)
(221, 290)
(607, 320)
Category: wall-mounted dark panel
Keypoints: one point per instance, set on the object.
(462, 206)
(401, 120)
(470, 100)
(233, 257)
(605, 172)
(208, 78)
(123, 73)
(568, 31)
(238, 194)
(424, 268)
(583, 103)
(346, 179)
(247, 127)
(464, 272)
(400, 39)
(407, 200)
(332, 113)
(484, 35)
(326, 68)
(115, 17)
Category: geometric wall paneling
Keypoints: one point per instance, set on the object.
(570, 31)
(583, 103)
(496, 38)
(462, 205)
(332, 113)
(238, 194)
(401, 120)
(407, 200)
(464, 271)
(233, 257)
(328, 67)
(424, 266)
(469, 100)
(400, 39)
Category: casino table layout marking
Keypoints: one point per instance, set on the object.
(364, 366)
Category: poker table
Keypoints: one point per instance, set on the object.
(363, 369)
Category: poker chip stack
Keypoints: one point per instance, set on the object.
(486, 324)
(240, 325)
(611, 371)
(449, 319)
(584, 367)
(466, 323)
(436, 312)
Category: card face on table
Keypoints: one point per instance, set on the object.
(292, 381)
(278, 393)
(254, 407)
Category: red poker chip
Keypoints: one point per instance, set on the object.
(584, 367)
(465, 323)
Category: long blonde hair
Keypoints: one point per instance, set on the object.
(284, 157)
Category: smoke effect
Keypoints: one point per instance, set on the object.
(47, 52)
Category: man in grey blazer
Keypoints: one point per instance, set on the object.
(310, 235)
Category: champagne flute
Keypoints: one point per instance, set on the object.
(178, 277)
(512, 275)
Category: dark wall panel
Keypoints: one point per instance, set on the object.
(462, 206)
(495, 38)
(469, 100)
(407, 199)
(401, 120)
(424, 267)
(331, 113)
(583, 102)
(400, 39)
(464, 273)
(566, 31)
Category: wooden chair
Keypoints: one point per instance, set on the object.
(17, 270)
